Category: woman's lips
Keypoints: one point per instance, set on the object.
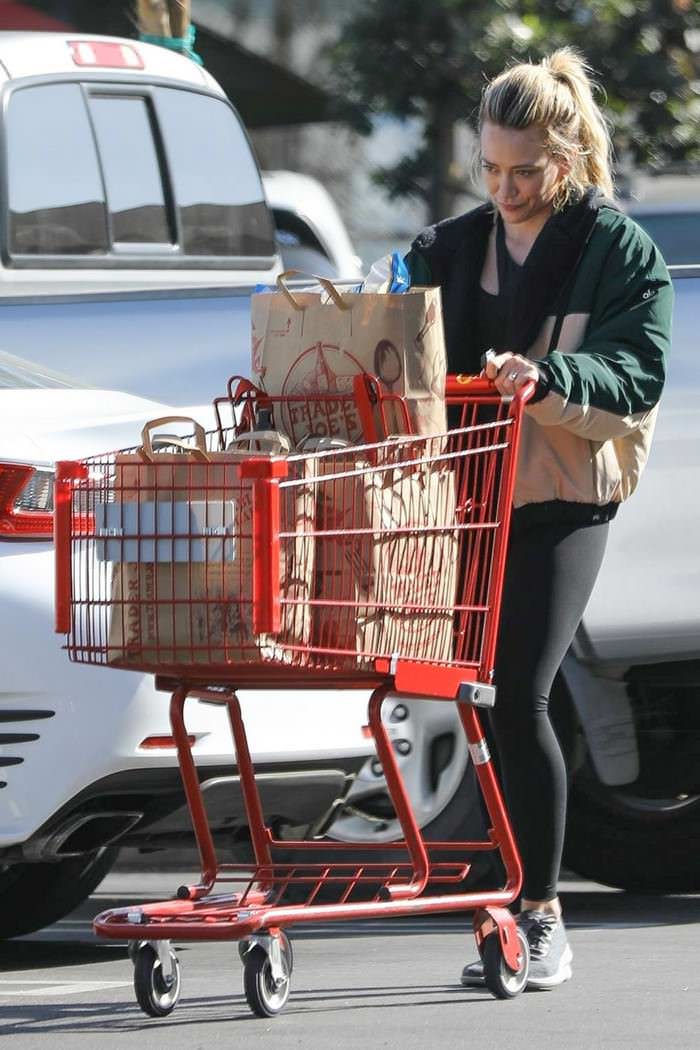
(509, 207)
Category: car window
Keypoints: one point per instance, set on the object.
(56, 198)
(299, 246)
(132, 172)
(162, 171)
(177, 347)
(677, 235)
(219, 194)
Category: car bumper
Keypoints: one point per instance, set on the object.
(68, 728)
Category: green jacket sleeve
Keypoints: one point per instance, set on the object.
(612, 381)
(419, 269)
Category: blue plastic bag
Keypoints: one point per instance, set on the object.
(388, 274)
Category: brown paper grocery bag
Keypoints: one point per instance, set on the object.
(180, 600)
(385, 556)
(309, 343)
(343, 612)
(414, 562)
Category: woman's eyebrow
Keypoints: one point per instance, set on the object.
(522, 164)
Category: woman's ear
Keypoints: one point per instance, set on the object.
(564, 167)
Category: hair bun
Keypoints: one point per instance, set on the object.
(566, 64)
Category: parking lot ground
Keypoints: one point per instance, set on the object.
(372, 984)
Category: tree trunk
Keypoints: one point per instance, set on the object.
(441, 140)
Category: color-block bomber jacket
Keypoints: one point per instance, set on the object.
(593, 309)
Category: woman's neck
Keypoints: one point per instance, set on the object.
(520, 236)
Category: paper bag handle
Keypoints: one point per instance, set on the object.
(323, 281)
(199, 449)
(273, 441)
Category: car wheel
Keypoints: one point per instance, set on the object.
(434, 762)
(35, 895)
(643, 837)
(622, 839)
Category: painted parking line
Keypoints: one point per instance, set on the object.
(35, 987)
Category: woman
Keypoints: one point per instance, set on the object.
(568, 292)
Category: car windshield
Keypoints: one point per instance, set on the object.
(16, 373)
(677, 235)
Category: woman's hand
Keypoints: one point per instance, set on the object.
(509, 372)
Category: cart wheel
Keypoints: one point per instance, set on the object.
(264, 995)
(133, 948)
(286, 945)
(498, 976)
(155, 994)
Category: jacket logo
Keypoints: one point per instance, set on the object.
(648, 294)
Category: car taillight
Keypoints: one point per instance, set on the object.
(26, 502)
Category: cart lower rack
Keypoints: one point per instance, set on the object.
(219, 567)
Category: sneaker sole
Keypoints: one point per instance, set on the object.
(564, 973)
(472, 982)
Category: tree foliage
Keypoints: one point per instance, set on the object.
(408, 58)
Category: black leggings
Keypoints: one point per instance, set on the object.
(550, 574)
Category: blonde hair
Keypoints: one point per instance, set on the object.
(557, 96)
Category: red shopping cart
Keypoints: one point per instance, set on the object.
(228, 563)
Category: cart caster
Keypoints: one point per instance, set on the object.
(500, 980)
(157, 990)
(285, 944)
(132, 950)
(266, 982)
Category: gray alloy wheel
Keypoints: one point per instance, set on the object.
(433, 758)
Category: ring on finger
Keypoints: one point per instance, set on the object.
(512, 376)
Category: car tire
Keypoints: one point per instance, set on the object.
(36, 895)
(624, 837)
(619, 840)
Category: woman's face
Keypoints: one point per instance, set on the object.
(520, 176)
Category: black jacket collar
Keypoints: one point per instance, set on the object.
(455, 251)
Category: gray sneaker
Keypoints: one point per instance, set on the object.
(473, 974)
(550, 954)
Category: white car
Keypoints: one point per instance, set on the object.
(126, 265)
(310, 231)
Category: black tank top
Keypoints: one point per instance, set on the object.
(492, 310)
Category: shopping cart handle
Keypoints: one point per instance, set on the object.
(462, 385)
(525, 392)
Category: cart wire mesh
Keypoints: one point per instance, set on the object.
(230, 559)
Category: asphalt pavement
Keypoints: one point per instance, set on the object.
(371, 984)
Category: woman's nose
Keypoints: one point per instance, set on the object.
(507, 186)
